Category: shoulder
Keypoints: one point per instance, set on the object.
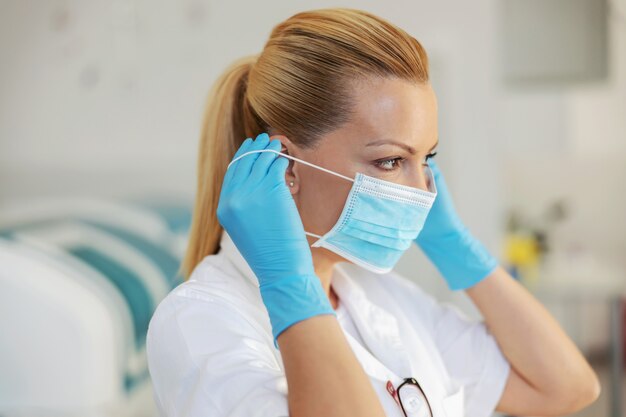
(204, 331)
(213, 281)
(215, 300)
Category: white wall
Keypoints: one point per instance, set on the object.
(571, 142)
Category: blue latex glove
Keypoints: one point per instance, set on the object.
(260, 215)
(460, 258)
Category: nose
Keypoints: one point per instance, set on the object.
(428, 178)
(421, 178)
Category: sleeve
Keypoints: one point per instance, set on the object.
(472, 357)
(207, 359)
(470, 352)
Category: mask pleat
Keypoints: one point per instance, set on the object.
(384, 241)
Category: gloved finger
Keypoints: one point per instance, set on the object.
(434, 167)
(263, 162)
(242, 171)
(440, 182)
(276, 171)
(231, 170)
(437, 175)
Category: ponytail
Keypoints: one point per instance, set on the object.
(224, 128)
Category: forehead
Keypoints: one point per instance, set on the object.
(393, 109)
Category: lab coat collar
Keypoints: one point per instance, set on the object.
(378, 328)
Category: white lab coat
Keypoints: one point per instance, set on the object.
(211, 352)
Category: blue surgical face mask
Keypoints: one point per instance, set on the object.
(379, 221)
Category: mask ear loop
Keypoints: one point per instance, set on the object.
(295, 159)
(291, 157)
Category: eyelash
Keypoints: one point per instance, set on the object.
(398, 159)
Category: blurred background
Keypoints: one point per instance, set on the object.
(100, 112)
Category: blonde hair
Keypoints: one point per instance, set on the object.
(301, 86)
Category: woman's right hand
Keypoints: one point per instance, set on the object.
(260, 215)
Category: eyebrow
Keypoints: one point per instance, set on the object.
(410, 149)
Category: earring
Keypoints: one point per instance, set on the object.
(291, 183)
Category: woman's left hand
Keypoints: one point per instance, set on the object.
(536, 384)
(460, 258)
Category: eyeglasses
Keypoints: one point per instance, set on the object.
(411, 398)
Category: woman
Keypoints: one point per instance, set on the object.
(291, 306)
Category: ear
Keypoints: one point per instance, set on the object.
(291, 174)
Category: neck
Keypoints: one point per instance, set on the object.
(324, 271)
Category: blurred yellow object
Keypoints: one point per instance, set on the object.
(522, 251)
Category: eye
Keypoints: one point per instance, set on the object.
(384, 164)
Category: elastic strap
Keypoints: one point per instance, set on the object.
(291, 157)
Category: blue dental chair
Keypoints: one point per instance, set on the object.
(79, 280)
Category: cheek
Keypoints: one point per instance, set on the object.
(321, 202)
